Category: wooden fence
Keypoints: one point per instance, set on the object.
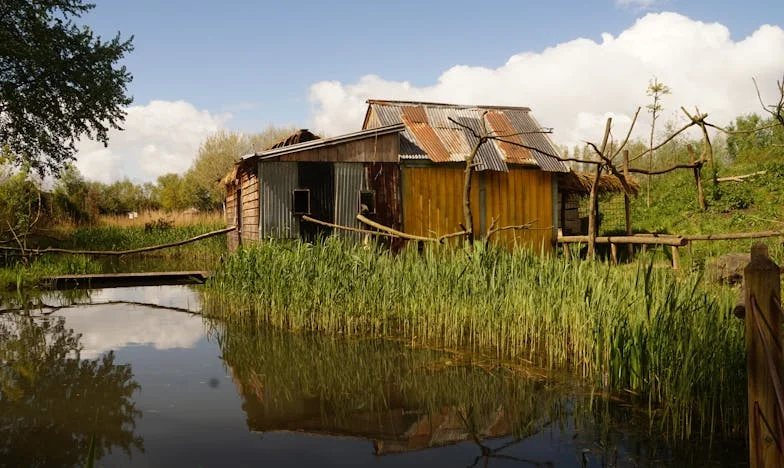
(764, 359)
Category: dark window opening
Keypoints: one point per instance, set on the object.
(301, 201)
(367, 202)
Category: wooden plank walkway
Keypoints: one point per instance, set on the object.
(118, 280)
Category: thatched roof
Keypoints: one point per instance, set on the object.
(581, 182)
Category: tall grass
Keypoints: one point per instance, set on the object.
(668, 338)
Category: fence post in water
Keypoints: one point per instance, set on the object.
(764, 360)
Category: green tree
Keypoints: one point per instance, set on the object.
(217, 156)
(58, 82)
(656, 89)
(168, 193)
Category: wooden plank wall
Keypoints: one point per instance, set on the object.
(249, 185)
(433, 197)
(373, 149)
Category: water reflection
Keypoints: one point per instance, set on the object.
(51, 397)
(402, 400)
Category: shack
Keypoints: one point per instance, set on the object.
(405, 170)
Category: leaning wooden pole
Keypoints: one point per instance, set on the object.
(593, 203)
(627, 203)
(697, 179)
(764, 360)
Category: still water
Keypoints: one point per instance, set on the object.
(157, 385)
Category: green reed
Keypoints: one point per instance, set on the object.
(661, 335)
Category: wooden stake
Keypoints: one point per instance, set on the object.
(676, 257)
(697, 179)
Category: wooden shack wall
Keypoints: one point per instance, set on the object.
(433, 202)
(248, 185)
(383, 148)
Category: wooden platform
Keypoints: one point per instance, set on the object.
(119, 280)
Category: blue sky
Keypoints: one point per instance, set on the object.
(248, 64)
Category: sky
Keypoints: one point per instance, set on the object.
(202, 66)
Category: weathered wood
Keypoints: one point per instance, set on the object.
(614, 253)
(593, 202)
(740, 178)
(697, 179)
(124, 279)
(49, 250)
(677, 241)
(733, 236)
(764, 359)
(676, 258)
(389, 230)
(627, 203)
(346, 228)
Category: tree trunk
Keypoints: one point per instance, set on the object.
(468, 216)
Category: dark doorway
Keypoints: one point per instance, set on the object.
(319, 178)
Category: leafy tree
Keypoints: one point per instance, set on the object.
(656, 89)
(168, 193)
(217, 155)
(58, 82)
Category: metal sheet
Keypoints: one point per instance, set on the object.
(426, 138)
(500, 126)
(277, 181)
(523, 121)
(349, 180)
(487, 158)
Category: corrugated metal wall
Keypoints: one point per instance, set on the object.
(349, 180)
(433, 199)
(277, 182)
(433, 202)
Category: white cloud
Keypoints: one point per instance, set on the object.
(574, 85)
(158, 138)
(105, 327)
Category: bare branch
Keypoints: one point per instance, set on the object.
(628, 134)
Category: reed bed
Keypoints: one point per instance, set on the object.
(665, 337)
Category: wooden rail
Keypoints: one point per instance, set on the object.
(674, 241)
(764, 359)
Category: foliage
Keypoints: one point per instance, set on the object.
(68, 402)
(217, 155)
(58, 82)
(647, 330)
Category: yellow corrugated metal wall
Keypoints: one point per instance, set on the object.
(433, 202)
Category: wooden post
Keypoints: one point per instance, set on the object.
(627, 206)
(697, 179)
(593, 212)
(676, 258)
(614, 252)
(764, 358)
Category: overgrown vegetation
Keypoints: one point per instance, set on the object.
(648, 331)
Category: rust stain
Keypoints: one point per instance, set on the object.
(454, 141)
(415, 114)
(501, 126)
(427, 139)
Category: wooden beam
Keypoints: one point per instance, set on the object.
(677, 241)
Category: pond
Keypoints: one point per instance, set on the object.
(156, 384)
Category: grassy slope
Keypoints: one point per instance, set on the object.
(756, 204)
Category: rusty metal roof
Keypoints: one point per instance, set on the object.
(431, 133)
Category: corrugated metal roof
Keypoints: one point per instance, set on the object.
(524, 122)
(431, 132)
(500, 126)
(487, 158)
(426, 138)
